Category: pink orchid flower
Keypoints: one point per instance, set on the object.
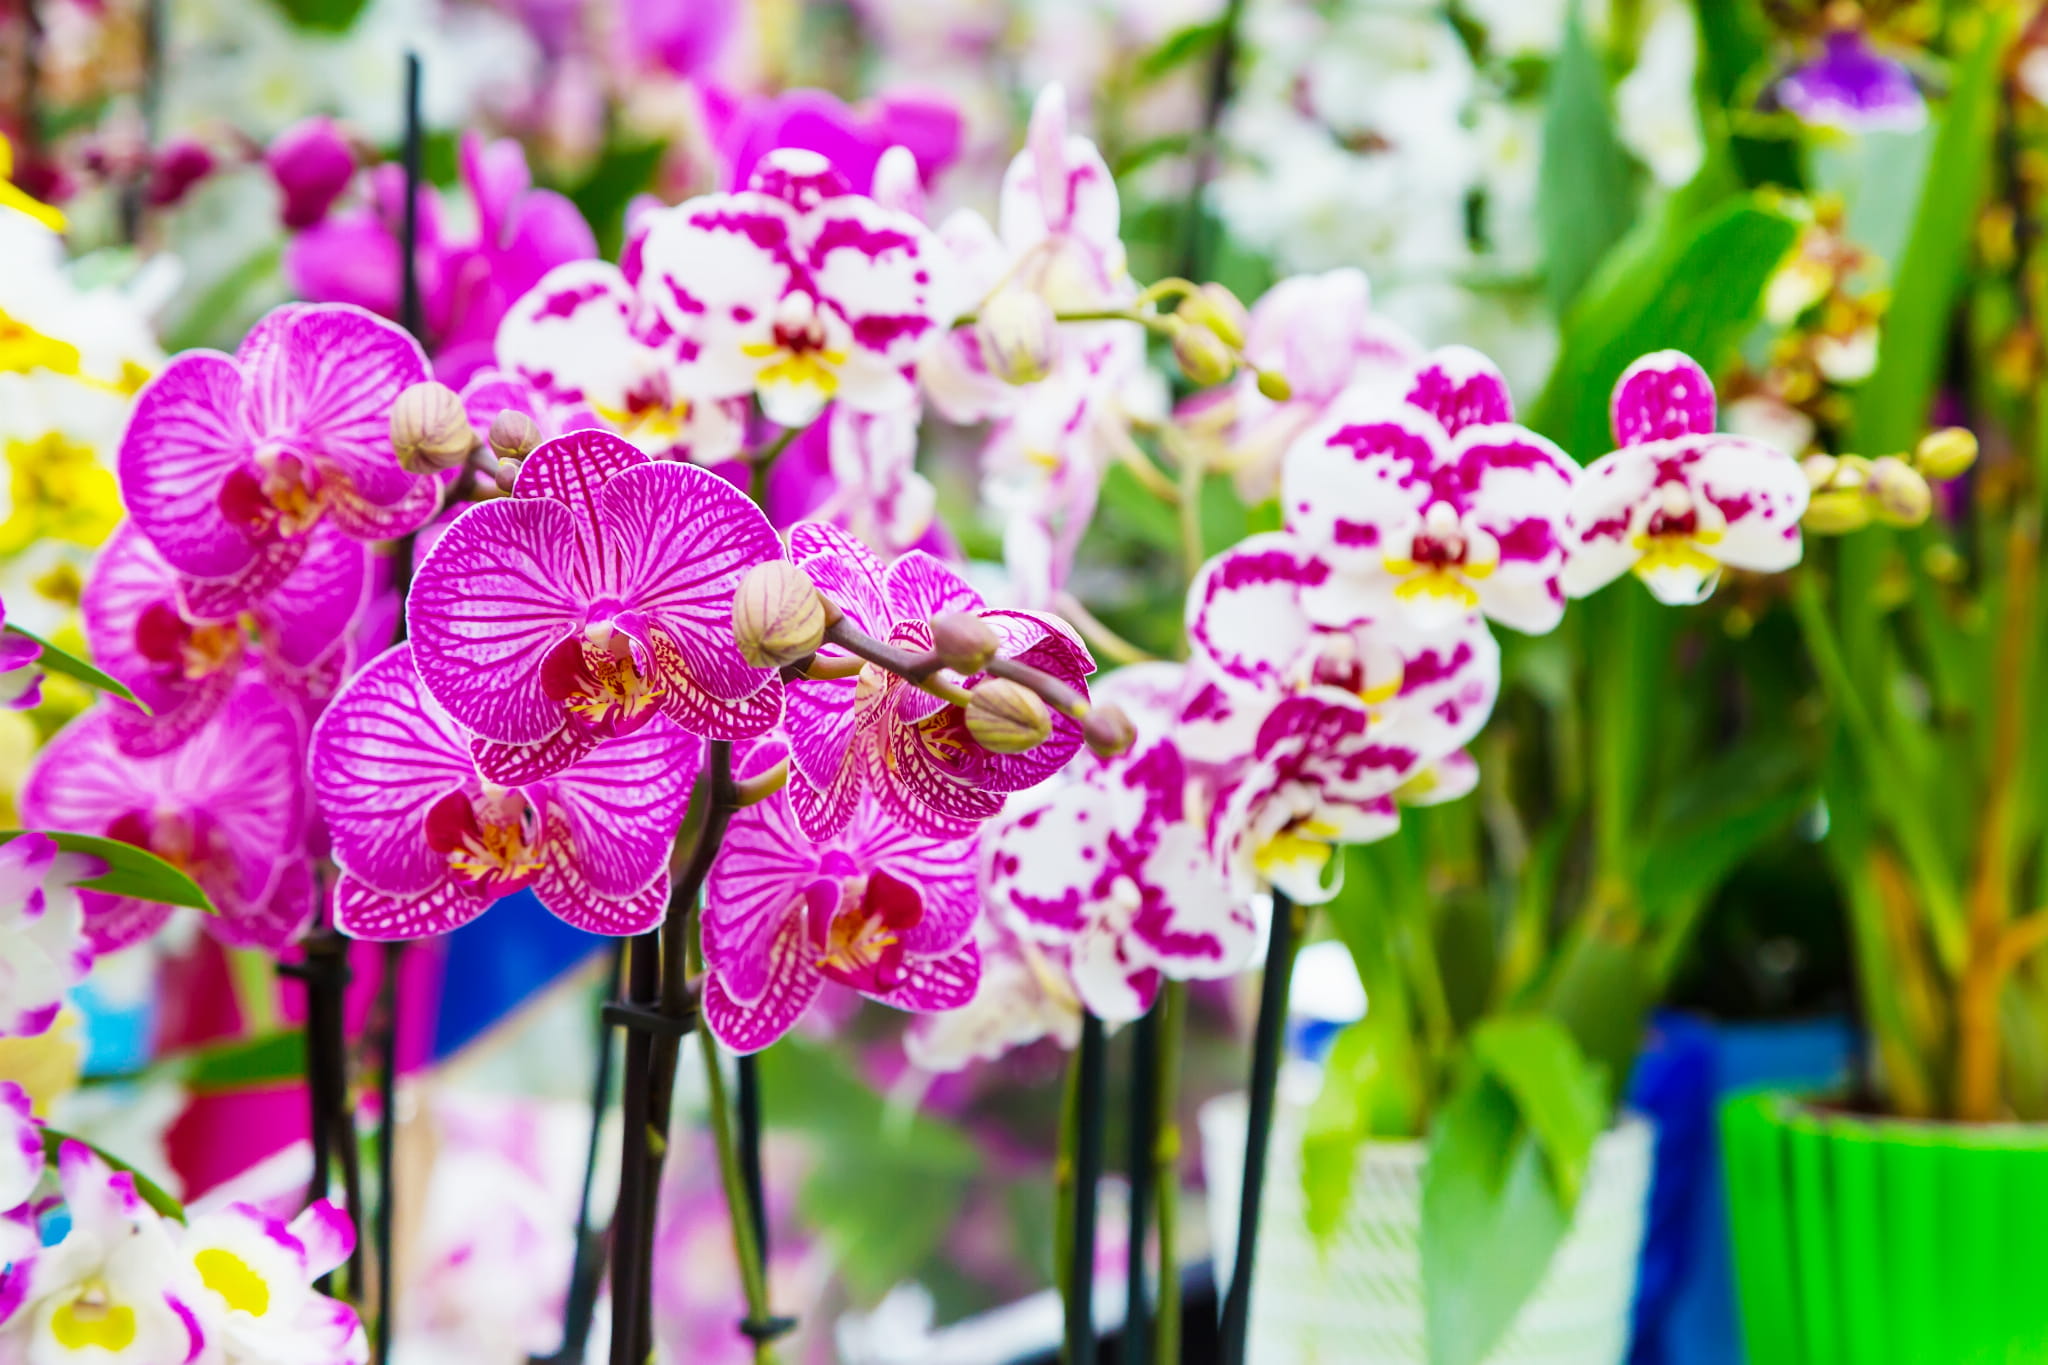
(43, 948)
(21, 1171)
(254, 1296)
(1676, 502)
(466, 282)
(866, 483)
(797, 290)
(1026, 993)
(425, 844)
(1319, 333)
(181, 649)
(595, 598)
(228, 807)
(596, 352)
(21, 682)
(114, 1288)
(1115, 865)
(877, 733)
(877, 908)
(1437, 506)
(230, 461)
(312, 164)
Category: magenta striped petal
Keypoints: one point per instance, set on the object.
(361, 912)
(921, 586)
(934, 984)
(486, 607)
(943, 872)
(819, 720)
(130, 579)
(622, 804)
(697, 710)
(792, 984)
(311, 611)
(823, 811)
(383, 754)
(569, 896)
(220, 599)
(846, 571)
(183, 438)
(365, 520)
(515, 765)
(756, 887)
(573, 470)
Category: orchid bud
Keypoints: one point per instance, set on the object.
(1945, 454)
(429, 429)
(1108, 731)
(513, 434)
(1201, 354)
(1217, 309)
(963, 641)
(1007, 717)
(312, 165)
(777, 615)
(1274, 385)
(1837, 512)
(1899, 494)
(1820, 470)
(1019, 337)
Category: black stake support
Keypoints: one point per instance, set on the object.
(749, 1105)
(1091, 1101)
(387, 1153)
(1267, 1045)
(1144, 1136)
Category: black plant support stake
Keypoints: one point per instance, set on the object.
(635, 1206)
(1267, 1045)
(1143, 1136)
(749, 1106)
(151, 102)
(1091, 1101)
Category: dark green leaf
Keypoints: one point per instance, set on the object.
(272, 1059)
(1490, 1221)
(322, 16)
(55, 660)
(152, 1193)
(1697, 290)
(130, 871)
(1178, 49)
(1560, 1095)
(1585, 197)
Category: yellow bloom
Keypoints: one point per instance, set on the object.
(59, 490)
(47, 1065)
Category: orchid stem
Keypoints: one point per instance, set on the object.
(739, 1209)
(1091, 1099)
(1143, 1152)
(1166, 1154)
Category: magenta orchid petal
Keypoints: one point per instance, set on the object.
(181, 669)
(184, 437)
(362, 912)
(622, 803)
(312, 610)
(1461, 388)
(932, 985)
(819, 719)
(1663, 396)
(567, 893)
(824, 808)
(921, 586)
(220, 599)
(515, 765)
(792, 983)
(384, 754)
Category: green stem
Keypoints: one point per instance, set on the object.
(254, 974)
(1166, 1168)
(753, 1274)
(762, 460)
(1063, 1172)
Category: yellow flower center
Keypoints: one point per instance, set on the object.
(59, 490)
(91, 1320)
(229, 1276)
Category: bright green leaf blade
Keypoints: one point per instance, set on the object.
(270, 1059)
(1371, 1087)
(1562, 1097)
(1585, 197)
(1697, 291)
(1490, 1222)
(130, 871)
(55, 660)
(152, 1193)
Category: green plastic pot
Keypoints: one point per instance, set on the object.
(1871, 1241)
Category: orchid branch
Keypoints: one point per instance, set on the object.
(739, 1209)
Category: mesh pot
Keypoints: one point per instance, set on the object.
(1360, 1302)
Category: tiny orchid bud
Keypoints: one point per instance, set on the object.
(1899, 494)
(963, 641)
(777, 615)
(1820, 470)
(1201, 354)
(1837, 512)
(1274, 385)
(430, 431)
(1108, 731)
(1007, 717)
(513, 434)
(505, 475)
(1019, 336)
(1945, 454)
(1216, 308)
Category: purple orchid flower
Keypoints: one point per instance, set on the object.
(181, 650)
(877, 908)
(596, 597)
(798, 290)
(229, 461)
(1675, 502)
(1434, 506)
(466, 283)
(1853, 87)
(425, 844)
(748, 129)
(879, 734)
(312, 164)
(227, 807)
(21, 682)
(21, 1171)
(43, 949)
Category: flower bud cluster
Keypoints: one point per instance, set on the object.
(1851, 492)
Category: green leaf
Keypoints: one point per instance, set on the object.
(1892, 405)
(322, 16)
(1490, 1221)
(1698, 290)
(270, 1059)
(55, 660)
(867, 1155)
(1372, 1087)
(152, 1193)
(1585, 197)
(130, 871)
(1561, 1096)
(1176, 50)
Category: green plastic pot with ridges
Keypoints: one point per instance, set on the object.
(1871, 1241)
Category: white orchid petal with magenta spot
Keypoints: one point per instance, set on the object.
(1761, 492)
(1244, 609)
(1461, 388)
(1663, 396)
